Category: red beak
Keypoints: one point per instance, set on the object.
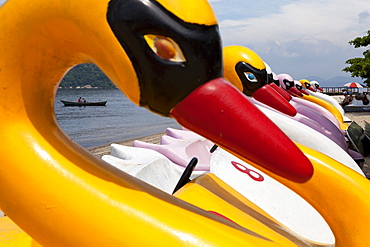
(219, 112)
(281, 91)
(295, 92)
(312, 89)
(322, 90)
(304, 92)
(270, 97)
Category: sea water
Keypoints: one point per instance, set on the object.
(119, 120)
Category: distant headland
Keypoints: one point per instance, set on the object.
(86, 76)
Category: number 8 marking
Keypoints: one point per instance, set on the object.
(253, 174)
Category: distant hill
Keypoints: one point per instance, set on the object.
(316, 78)
(337, 81)
(86, 76)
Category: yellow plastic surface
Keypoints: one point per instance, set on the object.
(11, 235)
(189, 12)
(42, 39)
(328, 107)
(235, 207)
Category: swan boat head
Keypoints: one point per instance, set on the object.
(316, 86)
(307, 84)
(298, 85)
(287, 83)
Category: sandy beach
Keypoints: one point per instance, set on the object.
(358, 117)
(105, 149)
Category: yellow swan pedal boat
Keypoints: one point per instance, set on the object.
(165, 55)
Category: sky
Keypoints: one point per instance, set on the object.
(298, 37)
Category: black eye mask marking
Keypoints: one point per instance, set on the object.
(164, 83)
(288, 84)
(250, 85)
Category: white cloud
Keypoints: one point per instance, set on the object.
(332, 20)
(301, 32)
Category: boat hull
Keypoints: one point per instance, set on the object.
(69, 103)
(356, 108)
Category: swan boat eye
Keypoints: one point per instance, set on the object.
(251, 77)
(165, 48)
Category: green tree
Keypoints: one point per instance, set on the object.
(360, 67)
(86, 74)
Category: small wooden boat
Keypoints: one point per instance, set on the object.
(70, 103)
(356, 108)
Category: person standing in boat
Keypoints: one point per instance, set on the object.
(79, 100)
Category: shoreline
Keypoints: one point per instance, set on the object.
(99, 151)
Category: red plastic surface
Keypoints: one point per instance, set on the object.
(270, 97)
(281, 91)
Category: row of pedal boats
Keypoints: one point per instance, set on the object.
(164, 167)
(286, 177)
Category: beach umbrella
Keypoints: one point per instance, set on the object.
(353, 85)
